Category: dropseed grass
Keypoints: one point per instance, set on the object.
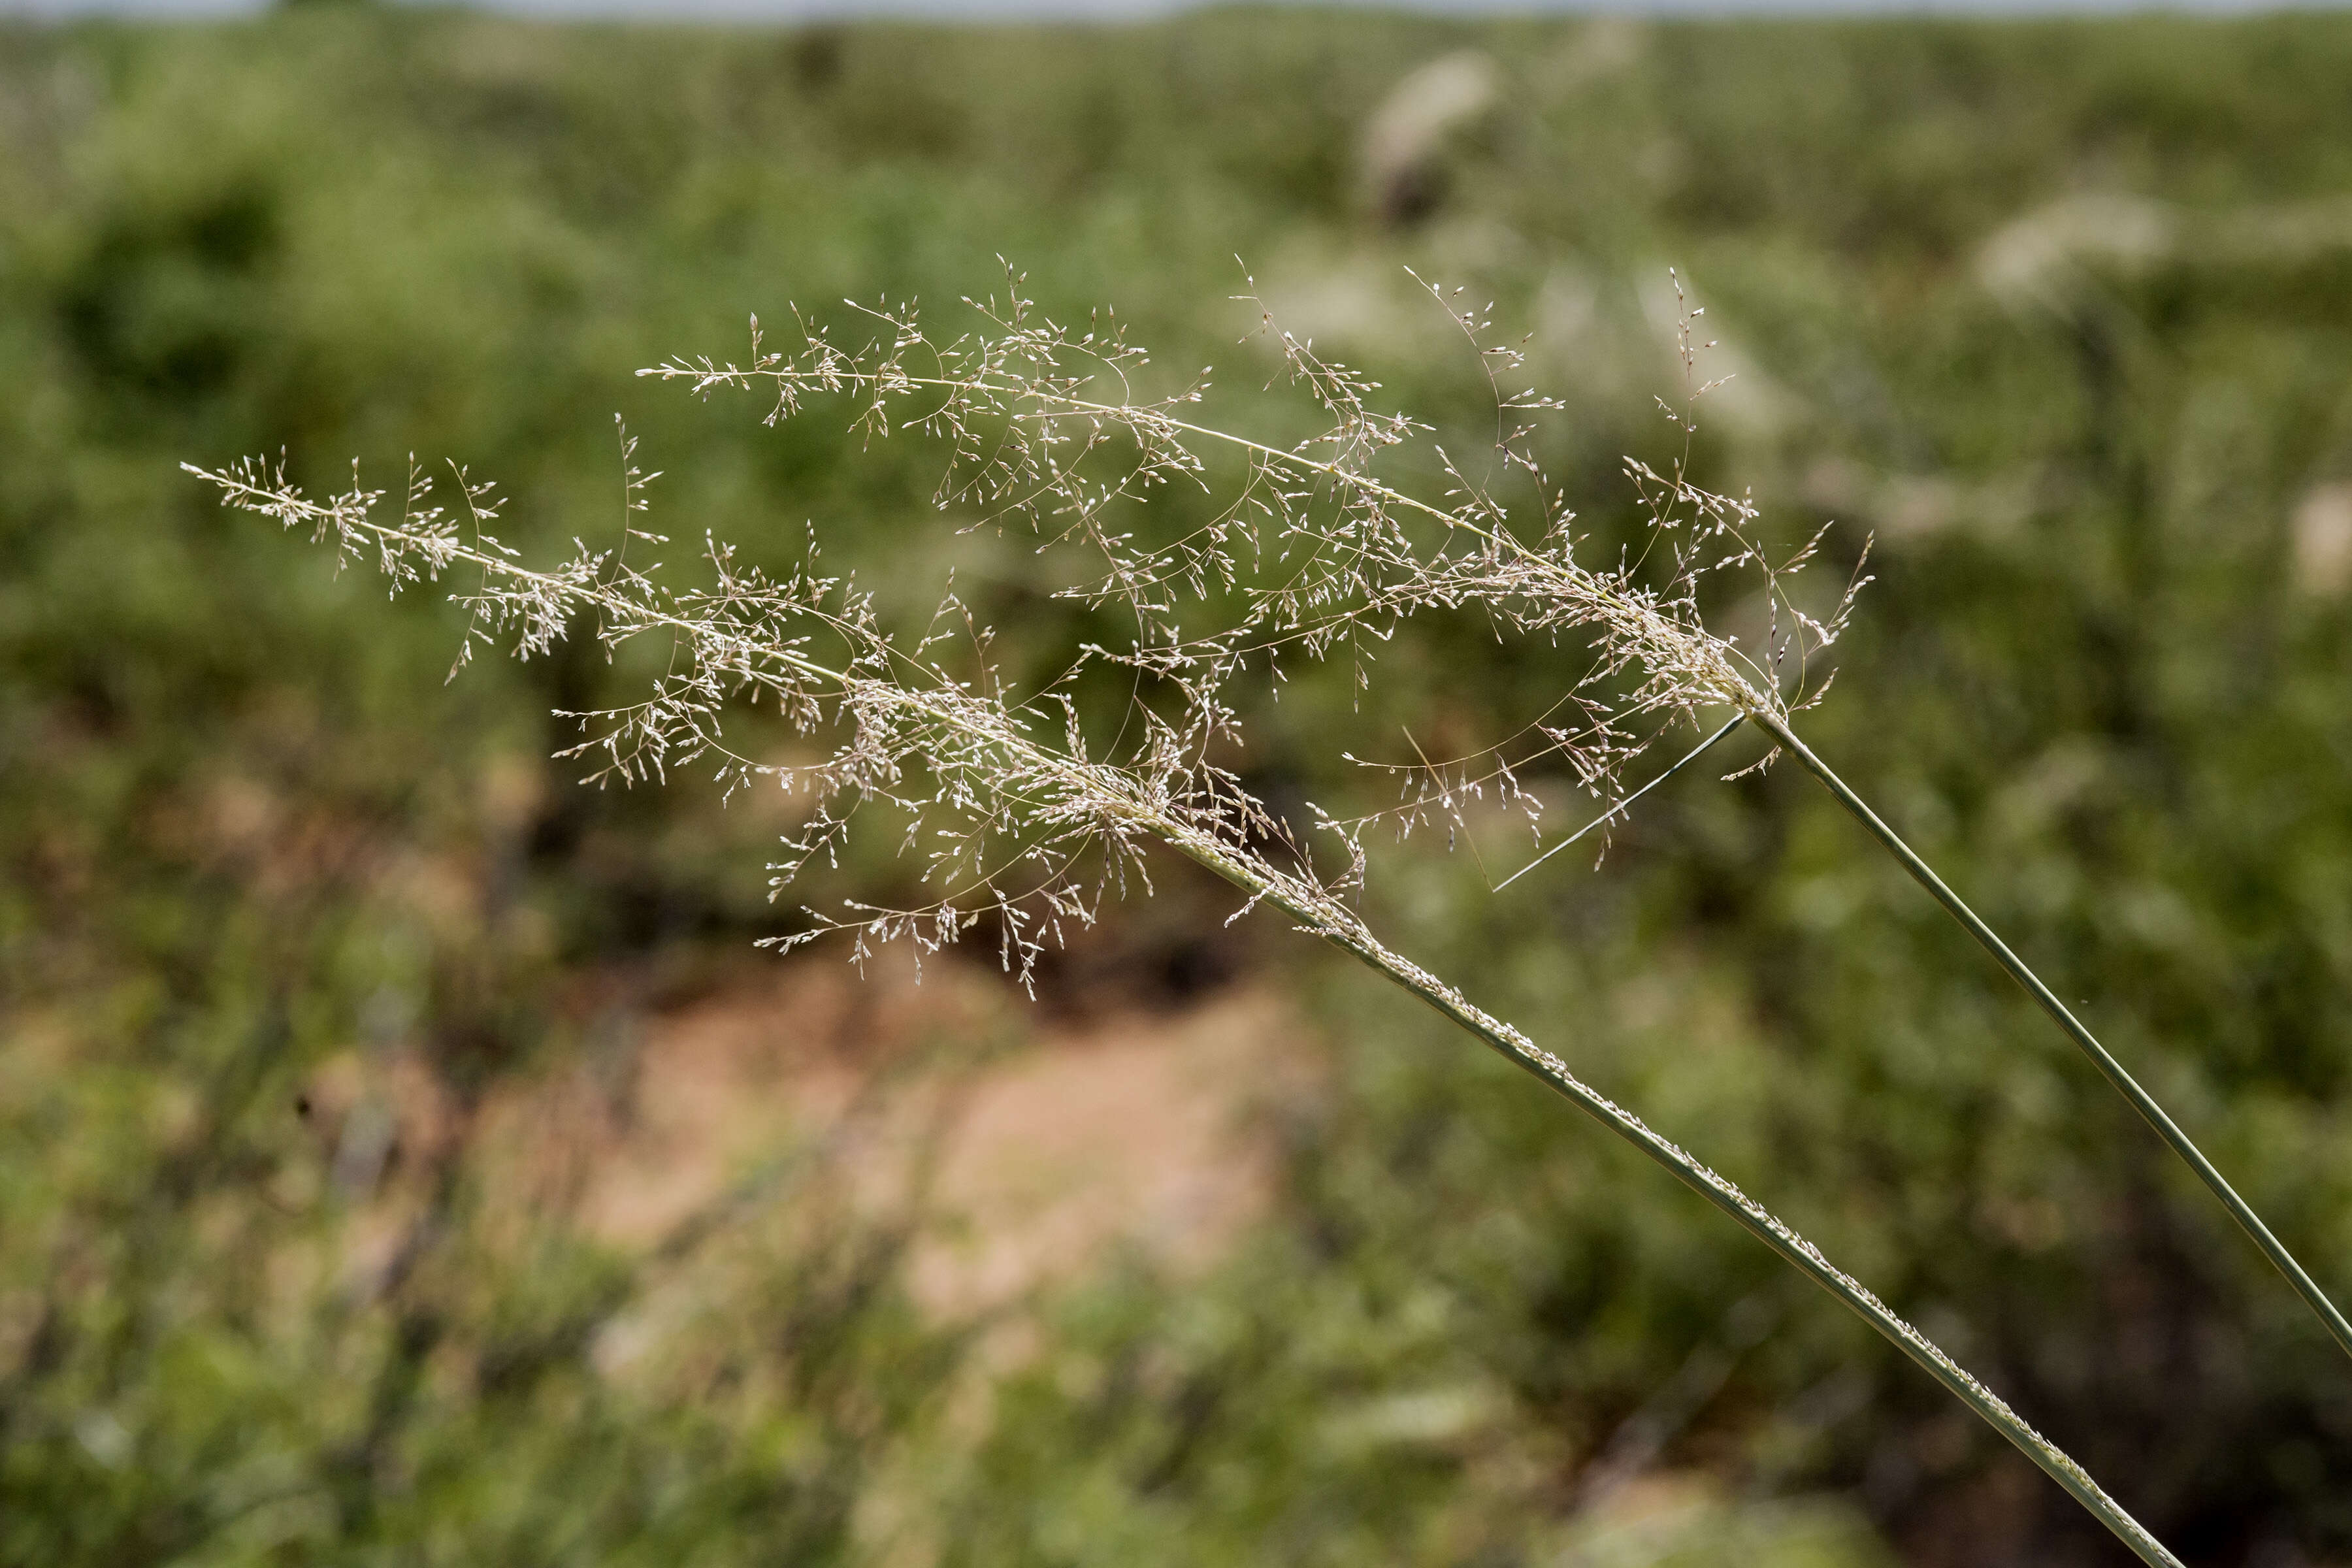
(1025, 823)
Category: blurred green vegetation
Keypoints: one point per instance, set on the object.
(2062, 310)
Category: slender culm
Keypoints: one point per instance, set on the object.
(2111, 1069)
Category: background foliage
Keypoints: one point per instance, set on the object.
(2061, 310)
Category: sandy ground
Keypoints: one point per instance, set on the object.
(1047, 1140)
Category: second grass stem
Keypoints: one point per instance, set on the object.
(2142, 1101)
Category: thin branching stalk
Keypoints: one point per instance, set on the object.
(2111, 1069)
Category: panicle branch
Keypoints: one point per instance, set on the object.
(1011, 816)
(1319, 549)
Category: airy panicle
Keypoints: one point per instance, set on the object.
(1315, 549)
(1314, 552)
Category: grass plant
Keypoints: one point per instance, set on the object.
(1025, 822)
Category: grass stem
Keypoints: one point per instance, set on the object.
(1750, 1215)
(2142, 1101)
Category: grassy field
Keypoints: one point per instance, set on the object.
(328, 1006)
